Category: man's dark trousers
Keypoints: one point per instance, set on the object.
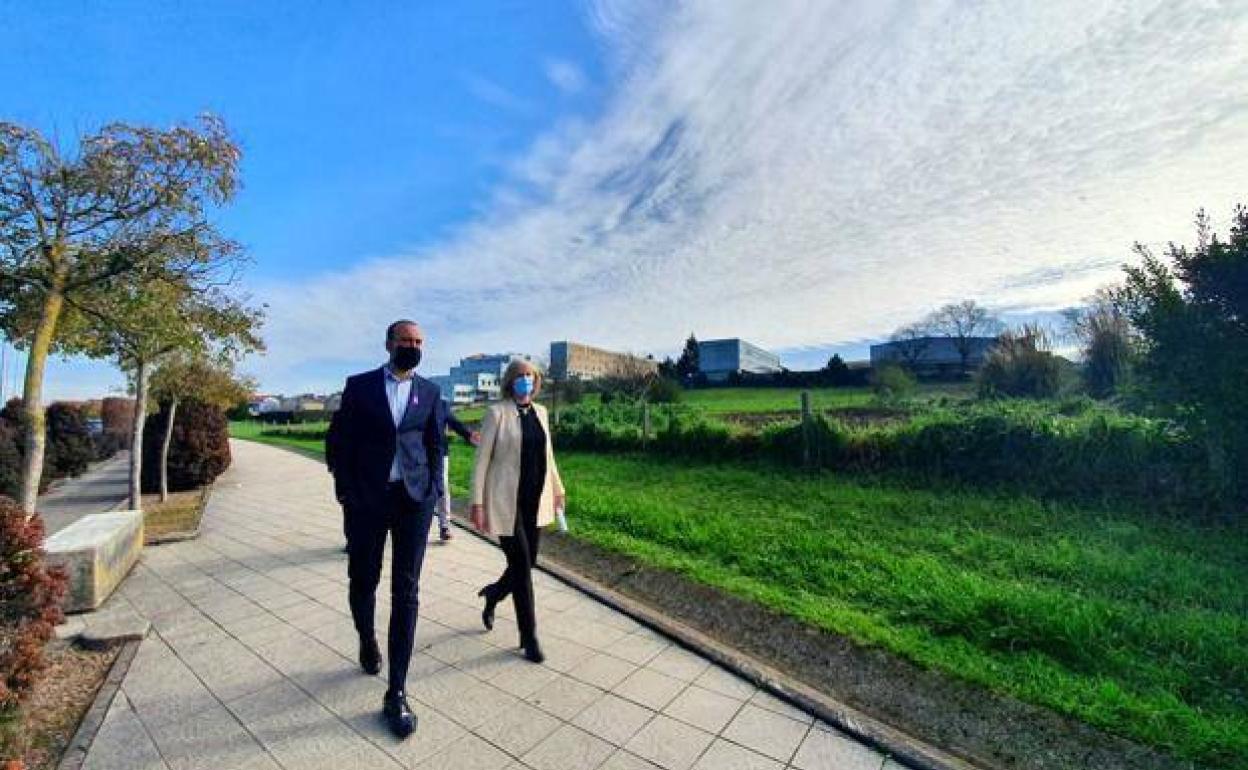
(407, 523)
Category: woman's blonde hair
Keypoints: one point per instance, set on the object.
(517, 368)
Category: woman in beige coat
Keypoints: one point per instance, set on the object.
(515, 492)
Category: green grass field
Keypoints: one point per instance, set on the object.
(1133, 624)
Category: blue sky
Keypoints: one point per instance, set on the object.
(807, 176)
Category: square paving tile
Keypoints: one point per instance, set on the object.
(649, 688)
(706, 709)
(613, 719)
(669, 744)
(518, 729)
(766, 732)
(568, 748)
(766, 700)
(468, 753)
(679, 663)
(723, 755)
(565, 697)
(622, 760)
(828, 749)
(725, 682)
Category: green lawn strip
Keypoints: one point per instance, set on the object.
(1132, 624)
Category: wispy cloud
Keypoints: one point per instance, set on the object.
(806, 174)
(565, 75)
(495, 95)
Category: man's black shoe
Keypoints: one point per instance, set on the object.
(398, 714)
(487, 614)
(533, 651)
(370, 655)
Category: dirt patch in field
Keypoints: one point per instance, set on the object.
(985, 728)
(39, 732)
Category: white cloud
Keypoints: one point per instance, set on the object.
(565, 76)
(805, 174)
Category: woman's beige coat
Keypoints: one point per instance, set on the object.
(496, 477)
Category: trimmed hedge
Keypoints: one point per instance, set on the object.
(68, 449)
(199, 450)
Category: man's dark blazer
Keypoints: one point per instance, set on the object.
(363, 441)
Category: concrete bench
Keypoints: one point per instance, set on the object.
(97, 552)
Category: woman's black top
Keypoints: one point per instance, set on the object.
(532, 458)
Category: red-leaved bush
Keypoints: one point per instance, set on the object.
(30, 602)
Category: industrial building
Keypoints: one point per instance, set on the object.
(933, 356)
(572, 360)
(477, 377)
(719, 360)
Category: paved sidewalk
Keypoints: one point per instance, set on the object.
(103, 488)
(250, 663)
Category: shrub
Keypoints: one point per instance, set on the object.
(117, 415)
(199, 450)
(892, 381)
(568, 392)
(106, 445)
(10, 459)
(30, 596)
(1020, 365)
(664, 391)
(69, 445)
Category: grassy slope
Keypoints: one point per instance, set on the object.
(1138, 626)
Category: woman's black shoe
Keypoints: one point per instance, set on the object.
(533, 651)
(487, 614)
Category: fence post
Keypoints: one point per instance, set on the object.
(807, 454)
(645, 424)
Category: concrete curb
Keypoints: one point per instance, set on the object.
(899, 746)
(76, 752)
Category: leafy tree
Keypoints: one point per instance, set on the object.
(141, 324)
(183, 376)
(129, 204)
(1192, 316)
(667, 369)
(962, 322)
(1107, 342)
(689, 363)
(837, 371)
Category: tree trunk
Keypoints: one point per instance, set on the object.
(141, 373)
(164, 451)
(32, 397)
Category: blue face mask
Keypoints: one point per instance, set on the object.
(523, 386)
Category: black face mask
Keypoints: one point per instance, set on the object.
(405, 359)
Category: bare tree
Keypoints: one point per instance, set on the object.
(911, 342)
(129, 204)
(962, 322)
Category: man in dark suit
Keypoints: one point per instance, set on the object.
(387, 451)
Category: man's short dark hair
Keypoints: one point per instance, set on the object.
(394, 327)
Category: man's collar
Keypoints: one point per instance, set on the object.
(391, 374)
